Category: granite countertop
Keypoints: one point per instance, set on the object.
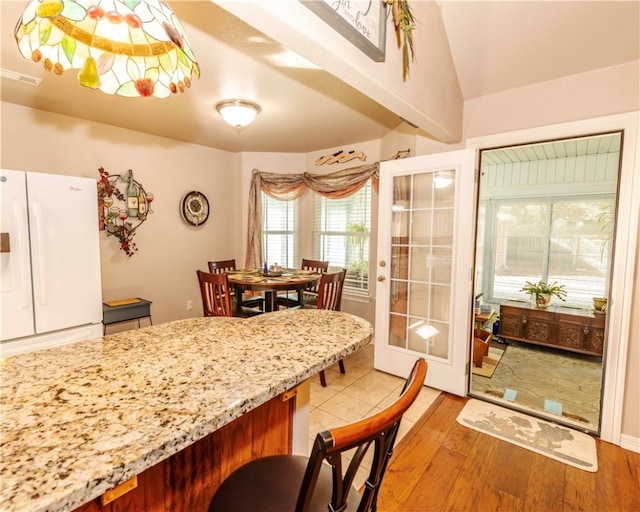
(79, 419)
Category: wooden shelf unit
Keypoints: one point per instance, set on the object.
(575, 330)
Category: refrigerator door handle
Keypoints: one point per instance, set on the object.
(42, 257)
(23, 252)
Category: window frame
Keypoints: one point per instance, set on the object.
(291, 215)
(321, 249)
(492, 210)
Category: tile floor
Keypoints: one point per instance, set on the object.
(359, 392)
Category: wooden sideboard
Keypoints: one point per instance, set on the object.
(576, 330)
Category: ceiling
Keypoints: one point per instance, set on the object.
(496, 45)
(564, 148)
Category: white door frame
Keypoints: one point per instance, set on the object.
(619, 307)
(451, 374)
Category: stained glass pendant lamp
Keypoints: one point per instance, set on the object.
(129, 48)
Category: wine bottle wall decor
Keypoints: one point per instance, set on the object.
(123, 205)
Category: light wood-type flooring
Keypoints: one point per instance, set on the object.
(439, 465)
(442, 466)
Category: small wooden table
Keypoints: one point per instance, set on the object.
(253, 280)
(117, 311)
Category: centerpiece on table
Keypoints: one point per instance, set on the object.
(542, 292)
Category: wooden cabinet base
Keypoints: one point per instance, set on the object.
(187, 480)
(558, 327)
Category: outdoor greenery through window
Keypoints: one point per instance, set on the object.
(341, 236)
(280, 232)
(563, 239)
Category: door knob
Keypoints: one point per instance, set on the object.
(381, 278)
(382, 263)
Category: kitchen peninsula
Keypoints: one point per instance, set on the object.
(80, 419)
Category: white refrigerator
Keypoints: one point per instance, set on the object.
(50, 285)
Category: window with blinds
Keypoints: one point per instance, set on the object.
(341, 236)
(563, 239)
(280, 232)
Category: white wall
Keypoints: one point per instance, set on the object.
(579, 97)
(603, 92)
(597, 93)
(169, 250)
(163, 270)
(296, 27)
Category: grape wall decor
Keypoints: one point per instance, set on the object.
(123, 205)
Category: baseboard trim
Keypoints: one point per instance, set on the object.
(630, 443)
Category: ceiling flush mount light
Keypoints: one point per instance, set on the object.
(125, 47)
(238, 113)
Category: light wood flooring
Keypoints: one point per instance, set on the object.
(442, 466)
(439, 465)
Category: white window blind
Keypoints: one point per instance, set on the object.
(280, 232)
(567, 240)
(341, 236)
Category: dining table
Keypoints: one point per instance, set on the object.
(271, 284)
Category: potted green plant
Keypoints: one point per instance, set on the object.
(542, 292)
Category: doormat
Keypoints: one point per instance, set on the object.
(554, 441)
(489, 363)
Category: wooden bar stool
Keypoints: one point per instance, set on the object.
(318, 483)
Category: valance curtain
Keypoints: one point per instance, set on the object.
(286, 187)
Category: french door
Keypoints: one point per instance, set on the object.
(425, 259)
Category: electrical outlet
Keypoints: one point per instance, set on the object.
(189, 305)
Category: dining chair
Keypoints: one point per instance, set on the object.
(253, 302)
(330, 297)
(215, 292)
(318, 483)
(309, 294)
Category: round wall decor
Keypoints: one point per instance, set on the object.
(194, 208)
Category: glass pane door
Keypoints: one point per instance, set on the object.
(422, 232)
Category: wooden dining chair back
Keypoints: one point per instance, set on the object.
(330, 290)
(321, 267)
(310, 294)
(220, 267)
(216, 295)
(324, 480)
(330, 297)
(223, 266)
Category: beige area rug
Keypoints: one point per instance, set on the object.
(537, 374)
(557, 442)
(489, 363)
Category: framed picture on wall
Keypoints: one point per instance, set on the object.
(362, 22)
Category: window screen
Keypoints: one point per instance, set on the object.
(280, 231)
(567, 240)
(341, 236)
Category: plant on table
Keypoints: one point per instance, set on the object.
(542, 292)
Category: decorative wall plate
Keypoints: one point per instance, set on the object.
(194, 208)
(123, 205)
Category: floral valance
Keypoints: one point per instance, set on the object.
(286, 187)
